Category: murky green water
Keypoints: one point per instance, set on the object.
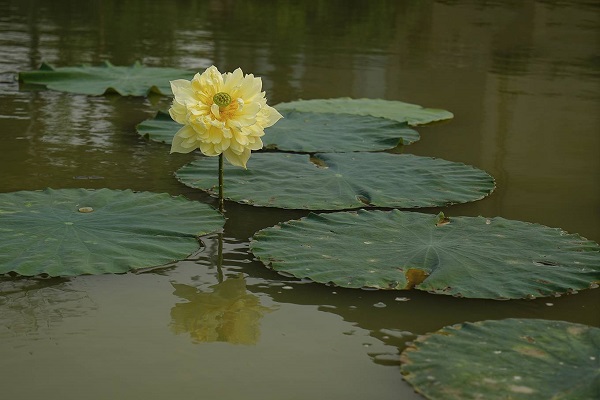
(523, 79)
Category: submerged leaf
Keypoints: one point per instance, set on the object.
(335, 181)
(78, 231)
(396, 110)
(506, 359)
(471, 257)
(136, 80)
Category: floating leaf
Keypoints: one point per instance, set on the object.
(310, 132)
(78, 231)
(472, 257)
(507, 359)
(396, 110)
(136, 80)
(161, 128)
(342, 181)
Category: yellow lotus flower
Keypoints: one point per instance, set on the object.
(221, 113)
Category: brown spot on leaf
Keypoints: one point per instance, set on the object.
(576, 330)
(521, 389)
(532, 352)
(414, 277)
(318, 162)
(528, 338)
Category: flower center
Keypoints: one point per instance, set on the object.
(222, 99)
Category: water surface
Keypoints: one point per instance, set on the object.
(522, 79)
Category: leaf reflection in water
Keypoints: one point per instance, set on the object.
(35, 307)
(227, 314)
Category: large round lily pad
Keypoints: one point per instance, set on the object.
(472, 257)
(78, 231)
(529, 359)
(310, 132)
(396, 110)
(335, 181)
(136, 80)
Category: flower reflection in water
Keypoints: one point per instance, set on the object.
(227, 314)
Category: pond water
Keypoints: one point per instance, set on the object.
(521, 77)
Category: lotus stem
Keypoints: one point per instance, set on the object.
(221, 202)
(220, 258)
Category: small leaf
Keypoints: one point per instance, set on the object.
(136, 80)
(507, 359)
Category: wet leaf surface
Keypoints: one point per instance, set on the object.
(473, 257)
(307, 132)
(335, 181)
(506, 359)
(77, 231)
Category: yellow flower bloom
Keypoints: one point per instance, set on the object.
(221, 113)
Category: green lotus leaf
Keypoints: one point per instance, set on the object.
(160, 129)
(310, 132)
(529, 359)
(136, 80)
(396, 110)
(335, 181)
(77, 231)
(473, 257)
